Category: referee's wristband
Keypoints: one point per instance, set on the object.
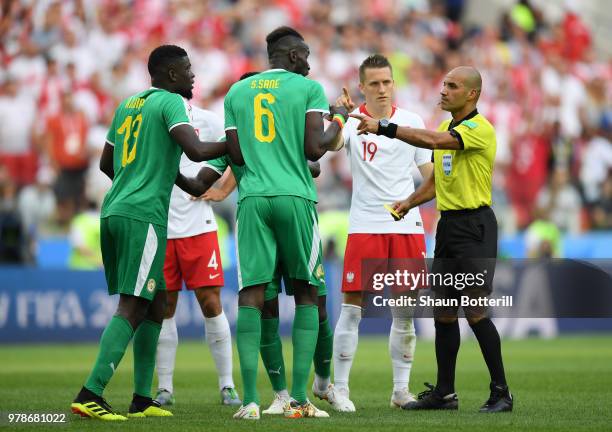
(389, 131)
(339, 119)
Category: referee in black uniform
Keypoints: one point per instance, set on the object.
(466, 237)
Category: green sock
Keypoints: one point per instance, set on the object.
(304, 337)
(113, 343)
(272, 353)
(324, 351)
(248, 339)
(145, 349)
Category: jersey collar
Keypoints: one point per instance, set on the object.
(454, 123)
(275, 70)
(363, 110)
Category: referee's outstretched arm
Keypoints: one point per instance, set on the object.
(417, 137)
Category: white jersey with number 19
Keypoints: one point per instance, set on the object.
(381, 168)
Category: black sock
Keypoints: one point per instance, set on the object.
(490, 345)
(141, 402)
(86, 395)
(447, 347)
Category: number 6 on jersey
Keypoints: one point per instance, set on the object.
(261, 112)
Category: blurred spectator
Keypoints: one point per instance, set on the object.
(36, 205)
(596, 164)
(543, 240)
(602, 211)
(84, 239)
(67, 151)
(17, 115)
(12, 236)
(559, 202)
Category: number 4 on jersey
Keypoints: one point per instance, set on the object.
(213, 261)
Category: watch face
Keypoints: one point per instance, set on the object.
(384, 122)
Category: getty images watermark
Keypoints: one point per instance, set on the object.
(401, 280)
(519, 288)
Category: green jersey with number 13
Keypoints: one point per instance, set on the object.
(146, 158)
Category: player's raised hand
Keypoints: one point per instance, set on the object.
(366, 124)
(401, 207)
(345, 100)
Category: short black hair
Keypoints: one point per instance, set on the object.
(247, 75)
(162, 56)
(375, 61)
(276, 35)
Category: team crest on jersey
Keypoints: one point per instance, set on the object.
(447, 163)
(350, 277)
(151, 285)
(320, 271)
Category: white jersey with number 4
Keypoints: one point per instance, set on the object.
(188, 218)
(381, 170)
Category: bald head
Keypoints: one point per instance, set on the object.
(461, 90)
(469, 76)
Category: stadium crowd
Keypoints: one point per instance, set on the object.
(66, 65)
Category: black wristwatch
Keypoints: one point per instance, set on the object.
(386, 128)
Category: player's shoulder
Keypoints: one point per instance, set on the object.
(478, 125)
(479, 120)
(404, 117)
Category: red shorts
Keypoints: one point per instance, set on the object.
(377, 246)
(195, 260)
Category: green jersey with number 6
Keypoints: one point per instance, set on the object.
(146, 158)
(269, 112)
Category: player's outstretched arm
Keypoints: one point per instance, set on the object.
(417, 137)
(196, 150)
(199, 184)
(106, 161)
(318, 141)
(233, 147)
(425, 192)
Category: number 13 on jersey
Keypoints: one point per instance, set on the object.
(260, 112)
(129, 129)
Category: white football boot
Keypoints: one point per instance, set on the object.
(276, 407)
(249, 412)
(337, 398)
(400, 398)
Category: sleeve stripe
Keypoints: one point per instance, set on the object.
(177, 124)
(318, 110)
(110, 143)
(231, 128)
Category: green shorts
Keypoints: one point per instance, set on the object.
(279, 231)
(133, 254)
(274, 288)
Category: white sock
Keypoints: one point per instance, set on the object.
(402, 343)
(346, 336)
(284, 394)
(321, 383)
(219, 341)
(166, 354)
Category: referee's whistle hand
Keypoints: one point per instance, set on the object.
(401, 207)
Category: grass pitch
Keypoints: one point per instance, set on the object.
(559, 385)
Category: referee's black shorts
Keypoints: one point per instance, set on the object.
(466, 243)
